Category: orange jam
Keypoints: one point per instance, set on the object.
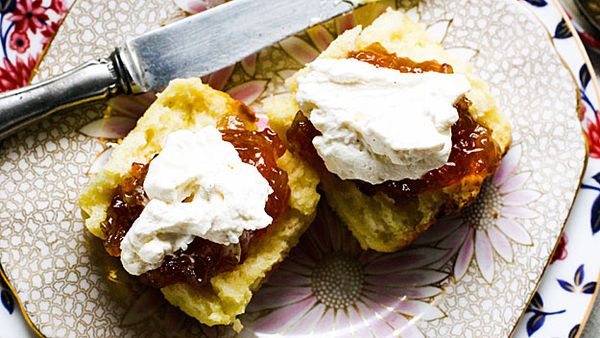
(203, 259)
(474, 152)
(378, 56)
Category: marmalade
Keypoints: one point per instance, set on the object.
(203, 259)
(474, 152)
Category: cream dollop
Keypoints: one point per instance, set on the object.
(378, 124)
(198, 187)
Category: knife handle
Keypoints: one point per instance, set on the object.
(89, 82)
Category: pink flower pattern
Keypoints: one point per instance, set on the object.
(197, 6)
(487, 228)
(328, 284)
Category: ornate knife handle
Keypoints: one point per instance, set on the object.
(92, 81)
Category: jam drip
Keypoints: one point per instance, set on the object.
(126, 206)
(474, 152)
(262, 149)
(203, 259)
(377, 55)
(199, 262)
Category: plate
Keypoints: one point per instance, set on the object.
(568, 289)
(472, 275)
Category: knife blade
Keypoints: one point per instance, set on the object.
(217, 38)
(195, 46)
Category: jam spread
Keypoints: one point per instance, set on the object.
(474, 152)
(203, 259)
(377, 55)
(126, 206)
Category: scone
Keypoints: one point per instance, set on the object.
(400, 132)
(200, 203)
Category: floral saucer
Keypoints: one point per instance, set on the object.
(473, 274)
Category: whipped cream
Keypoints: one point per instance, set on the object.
(198, 187)
(378, 124)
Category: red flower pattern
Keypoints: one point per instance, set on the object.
(19, 41)
(561, 251)
(593, 136)
(17, 75)
(49, 32)
(57, 6)
(28, 26)
(29, 15)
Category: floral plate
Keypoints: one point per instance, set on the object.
(471, 275)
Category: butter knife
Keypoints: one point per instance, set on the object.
(195, 46)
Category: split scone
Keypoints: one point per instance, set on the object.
(400, 132)
(200, 203)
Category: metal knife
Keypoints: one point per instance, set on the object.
(195, 46)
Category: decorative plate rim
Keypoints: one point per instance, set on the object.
(596, 87)
(20, 304)
(585, 160)
(594, 81)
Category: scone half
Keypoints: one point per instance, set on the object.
(378, 221)
(191, 105)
